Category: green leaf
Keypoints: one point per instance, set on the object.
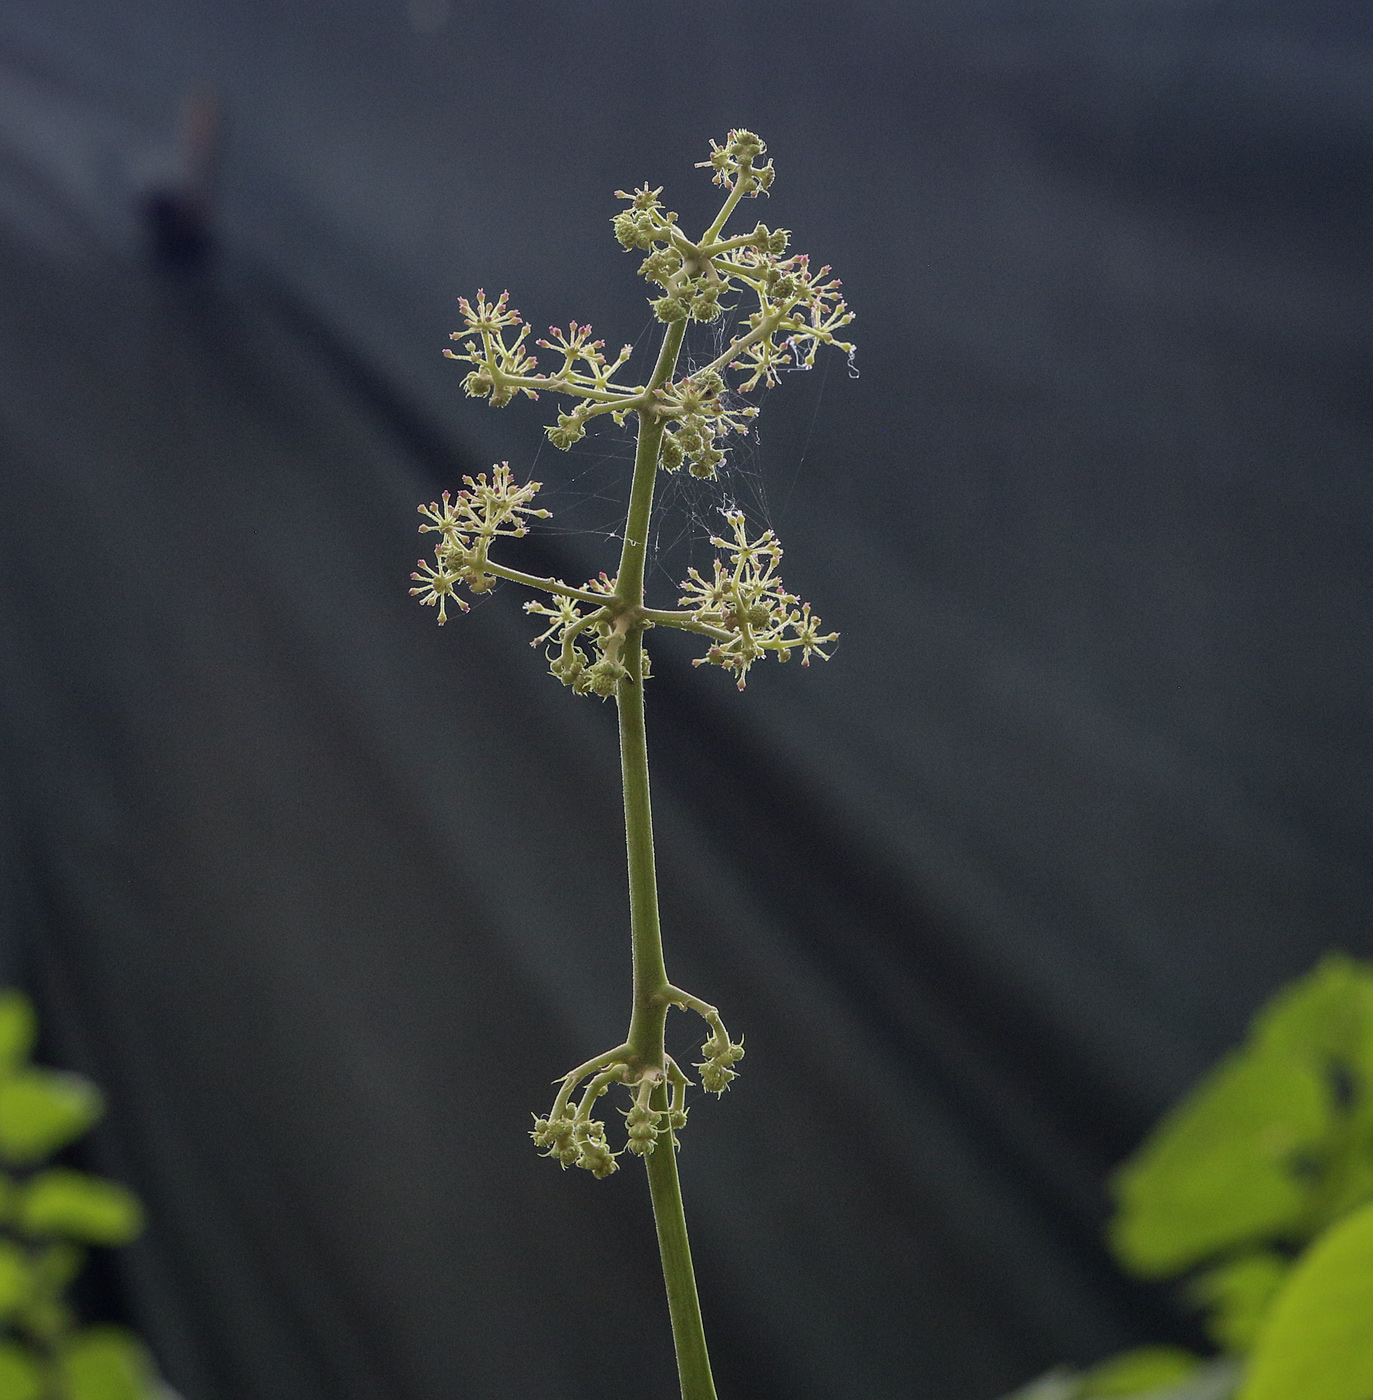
(1058, 1384)
(16, 1278)
(1236, 1161)
(1329, 1012)
(1276, 1142)
(1237, 1296)
(108, 1363)
(80, 1207)
(1139, 1371)
(1326, 1019)
(1317, 1343)
(18, 1029)
(42, 1110)
(21, 1376)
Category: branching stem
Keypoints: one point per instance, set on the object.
(739, 604)
(663, 617)
(548, 585)
(652, 989)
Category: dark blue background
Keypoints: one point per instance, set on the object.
(325, 896)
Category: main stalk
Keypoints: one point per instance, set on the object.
(647, 1051)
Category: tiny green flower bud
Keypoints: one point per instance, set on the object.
(570, 428)
(744, 145)
(715, 1078)
(705, 306)
(660, 265)
(772, 241)
(477, 384)
(669, 309)
(704, 461)
(568, 669)
(605, 676)
(626, 229)
(690, 438)
(555, 1135)
(599, 1163)
(635, 228)
(642, 1124)
(672, 455)
(593, 1154)
(719, 1053)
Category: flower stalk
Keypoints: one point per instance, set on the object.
(595, 637)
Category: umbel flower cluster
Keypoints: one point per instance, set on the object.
(574, 1137)
(742, 607)
(466, 527)
(794, 311)
(777, 312)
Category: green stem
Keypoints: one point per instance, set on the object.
(663, 617)
(645, 1039)
(684, 1306)
(629, 583)
(736, 193)
(649, 1013)
(647, 1052)
(652, 992)
(547, 585)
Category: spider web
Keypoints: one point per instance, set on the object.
(587, 487)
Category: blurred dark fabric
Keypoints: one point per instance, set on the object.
(325, 896)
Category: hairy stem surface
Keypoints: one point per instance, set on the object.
(684, 1306)
(645, 1039)
(647, 1052)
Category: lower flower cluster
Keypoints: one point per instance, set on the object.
(574, 1137)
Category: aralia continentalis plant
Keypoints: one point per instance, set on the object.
(781, 312)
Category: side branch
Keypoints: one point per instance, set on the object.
(548, 585)
(685, 622)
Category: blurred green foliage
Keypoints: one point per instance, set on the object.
(1257, 1191)
(48, 1216)
(1318, 1341)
